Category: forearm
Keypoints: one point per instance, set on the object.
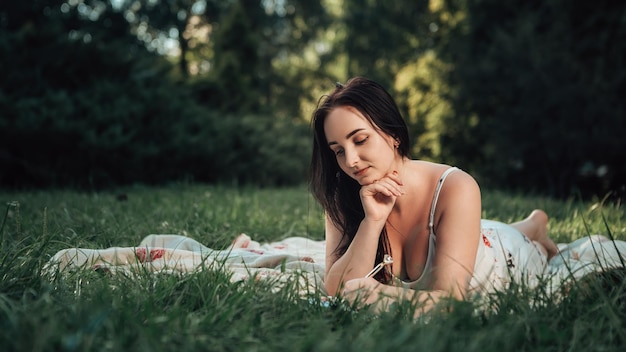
(423, 301)
(358, 259)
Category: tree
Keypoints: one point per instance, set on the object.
(539, 93)
(383, 35)
(83, 101)
(236, 63)
(158, 21)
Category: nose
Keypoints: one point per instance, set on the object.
(352, 157)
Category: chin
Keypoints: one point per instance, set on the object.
(365, 181)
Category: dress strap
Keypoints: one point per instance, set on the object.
(431, 220)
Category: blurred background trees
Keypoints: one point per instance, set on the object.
(526, 95)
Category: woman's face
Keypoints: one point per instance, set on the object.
(363, 152)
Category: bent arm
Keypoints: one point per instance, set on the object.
(457, 229)
(358, 259)
(379, 297)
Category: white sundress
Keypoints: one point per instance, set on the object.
(504, 254)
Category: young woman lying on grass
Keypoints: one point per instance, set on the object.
(425, 216)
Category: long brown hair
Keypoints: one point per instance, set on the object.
(337, 192)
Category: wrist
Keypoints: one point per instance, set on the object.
(373, 225)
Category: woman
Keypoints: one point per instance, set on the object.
(426, 216)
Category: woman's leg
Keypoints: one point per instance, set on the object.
(535, 227)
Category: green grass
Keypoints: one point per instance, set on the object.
(87, 311)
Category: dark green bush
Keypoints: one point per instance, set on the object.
(104, 137)
(83, 106)
(260, 150)
(539, 95)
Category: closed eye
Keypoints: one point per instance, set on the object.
(361, 141)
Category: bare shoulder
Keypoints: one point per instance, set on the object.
(460, 184)
(460, 192)
(460, 180)
(457, 180)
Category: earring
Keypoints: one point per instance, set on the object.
(396, 144)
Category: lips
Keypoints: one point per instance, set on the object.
(361, 172)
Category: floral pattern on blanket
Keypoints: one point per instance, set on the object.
(246, 259)
(243, 259)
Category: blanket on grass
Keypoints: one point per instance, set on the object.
(297, 257)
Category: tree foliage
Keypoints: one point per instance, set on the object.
(383, 35)
(85, 104)
(539, 93)
(523, 94)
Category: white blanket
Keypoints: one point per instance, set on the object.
(294, 257)
(297, 257)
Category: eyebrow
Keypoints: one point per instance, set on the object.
(348, 135)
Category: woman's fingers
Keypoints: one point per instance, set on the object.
(379, 197)
(362, 290)
(396, 177)
(386, 186)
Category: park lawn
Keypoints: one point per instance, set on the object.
(87, 311)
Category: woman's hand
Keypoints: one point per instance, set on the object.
(362, 291)
(367, 292)
(378, 297)
(379, 197)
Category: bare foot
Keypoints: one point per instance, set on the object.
(242, 241)
(540, 220)
(535, 227)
